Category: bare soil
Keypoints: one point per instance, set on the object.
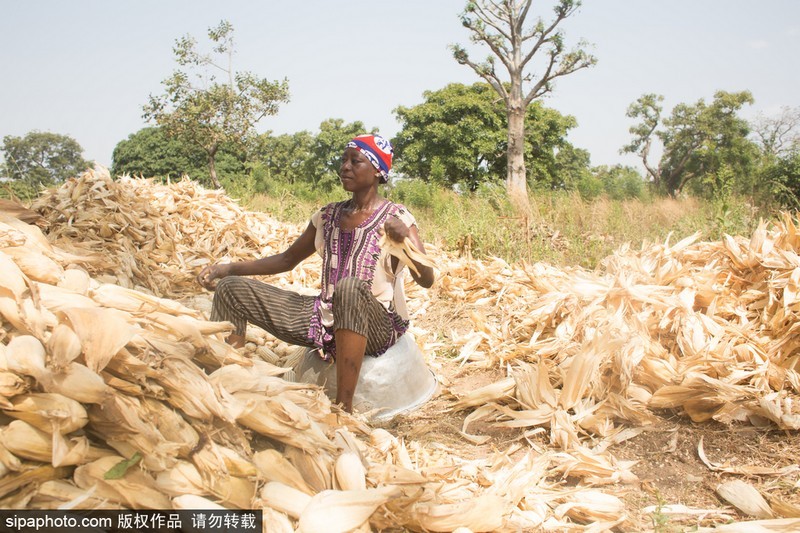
(668, 466)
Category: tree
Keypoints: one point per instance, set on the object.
(500, 25)
(304, 157)
(285, 158)
(208, 113)
(43, 158)
(328, 147)
(620, 182)
(458, 135)
(778, 136)
(152, 153)
(701, 143)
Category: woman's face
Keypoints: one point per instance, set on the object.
(356, 171)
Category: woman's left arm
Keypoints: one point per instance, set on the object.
(397, 231)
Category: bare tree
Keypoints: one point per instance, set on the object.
(779, 135)
(500, 24)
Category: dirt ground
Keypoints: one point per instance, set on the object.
(668, 467)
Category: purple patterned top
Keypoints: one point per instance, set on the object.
(349, 253)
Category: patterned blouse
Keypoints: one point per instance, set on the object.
(355, 253)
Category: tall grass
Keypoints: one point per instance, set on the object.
(566, 230)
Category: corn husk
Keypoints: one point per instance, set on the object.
(49, 412)
(350, 472)
(405, 251)
(24, 440)
(135, 490)
(484, 513)
(80, 383)
(745, 497)
(102, 333)
(34, 264)
(284, 498)
(25, 355)
(193, 501)
(340, 511)
(273, 466)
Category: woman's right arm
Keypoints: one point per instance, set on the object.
(273, 264)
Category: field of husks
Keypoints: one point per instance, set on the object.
(108, 364)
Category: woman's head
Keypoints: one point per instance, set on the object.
(377, 150)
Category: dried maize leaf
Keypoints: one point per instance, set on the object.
(494, 392)
(59, 494)
(49, 412)
(278, 521)
(215, 460)
(135, 490)
(590, 506)
(194, 501)
(79, 383)
(183, 478)
(10, 385)
(744, 497)
(349, 472)
(284, 498)
(24, 440)
(31, 476)
(483, 513)
(122, 418)
(12, 280)
(281, 419)
(102, 332)
(75, 280)
(64, 346)
(389, 474)
(316, 467)
(273, 466)
(406, 252)
(170, 424)
(191, 391)
(25, 355)
(341, 511)
(34, 264)
(582, 369)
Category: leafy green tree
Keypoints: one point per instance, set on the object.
(43, 158)
(303, 157)
(620, 182)
(286, 158)
(329, 143)
(500, 25)
(151, 153)
(209, 113)
(458, 135)
(701, 143)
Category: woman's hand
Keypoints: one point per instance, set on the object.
(395, 229)
(209, 274)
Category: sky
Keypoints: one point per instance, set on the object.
(85, 68)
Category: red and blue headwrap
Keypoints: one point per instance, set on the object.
(377, 149)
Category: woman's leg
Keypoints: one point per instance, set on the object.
(284, 314)
(361, 325)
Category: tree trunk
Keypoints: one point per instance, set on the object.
(516, 179)
(212, 168)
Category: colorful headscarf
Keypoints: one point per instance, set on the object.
(377, 149)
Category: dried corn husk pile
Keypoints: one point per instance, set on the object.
(99, 378)
(708, 328)
(692, 324)
(156, 237)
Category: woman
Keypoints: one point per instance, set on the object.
(361, 307)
